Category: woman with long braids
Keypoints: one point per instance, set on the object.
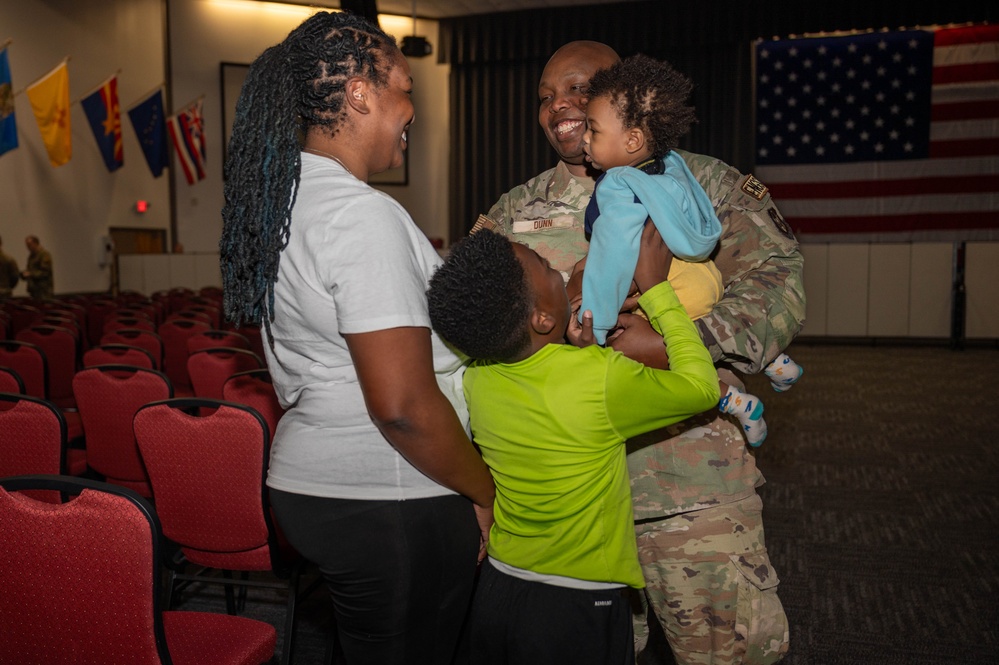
(372, 475)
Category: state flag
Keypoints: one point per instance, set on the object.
(49, 97)
(104, 115)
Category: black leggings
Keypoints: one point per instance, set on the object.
(400, 572)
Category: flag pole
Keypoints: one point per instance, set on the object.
(44, 76)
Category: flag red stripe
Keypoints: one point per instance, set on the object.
(969, 35)
(859, 189)
(978, 71)
(891, 223)
(978, 147)
(965, 111)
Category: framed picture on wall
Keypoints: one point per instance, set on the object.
(231, 77)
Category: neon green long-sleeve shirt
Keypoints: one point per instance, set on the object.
(551, 429)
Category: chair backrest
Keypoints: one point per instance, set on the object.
(79, 580)
(117, 354)
(216, 339)
(210, 368)
(61, 354)
(174, 333)
(144, 339)
(117, 321)
(33, 441)
(10, 381)
(5, 323)
(97, 310)
(22, 315)
(29, 362)
(188, 313)
(207, 461)
(255, 389)
(107, 397)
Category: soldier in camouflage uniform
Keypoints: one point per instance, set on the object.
(698, 518)
(9, 274)
(38, 271)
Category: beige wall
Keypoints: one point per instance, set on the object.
(71, 207)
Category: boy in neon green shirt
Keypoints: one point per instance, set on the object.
(551, 420)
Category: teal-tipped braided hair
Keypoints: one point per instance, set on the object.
(292, 87)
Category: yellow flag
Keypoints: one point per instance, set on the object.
(49, 97)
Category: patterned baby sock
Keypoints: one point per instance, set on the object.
(783, 372)
(749, 410)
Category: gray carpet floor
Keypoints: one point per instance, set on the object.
(881, 511)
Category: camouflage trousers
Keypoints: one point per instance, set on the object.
(710, 585)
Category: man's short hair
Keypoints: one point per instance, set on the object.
(480, 301)
(649, 94)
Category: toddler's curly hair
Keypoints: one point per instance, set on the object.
(649, 94)
(480, 300)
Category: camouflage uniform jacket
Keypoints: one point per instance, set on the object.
(703, 461)
(39, 278)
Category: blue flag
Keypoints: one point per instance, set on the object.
(149, 123)
(104, 117)
(8, 127)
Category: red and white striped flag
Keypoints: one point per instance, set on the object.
(186, 129)
(888, 133)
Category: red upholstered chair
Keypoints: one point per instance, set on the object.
(215, 339)
(34, 440)
(5, 324)
(255, 389)
(97, 311)
(192, 315)
(80, 581)
(22, 315)
(108, 397)
(144, 339)
(174, 333)
(10, 381)
(148, 308)
(116, 354)
(207, 473)
(61, 354)
(29, 362)
(210, 368)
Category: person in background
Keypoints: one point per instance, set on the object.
(9, 274)
(37, 272)
(372, 475)
(551, 421)
(698, 517)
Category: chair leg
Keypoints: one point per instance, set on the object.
(289, 620)
(230, 597)
(168, 596)
(241, 605)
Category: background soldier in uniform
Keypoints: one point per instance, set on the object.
(38, 271)
(698, 518)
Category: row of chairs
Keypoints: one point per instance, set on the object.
(198, 461)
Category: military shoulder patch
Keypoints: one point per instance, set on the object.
(483, 222)
(780, 223)
(754, 188)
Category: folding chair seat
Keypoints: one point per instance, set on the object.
(210, 368)
(144, 339)
(255, 389)
(174, 333)
(61, 353)
(108, 397)
(207, 461)
(31, 363)
(34, 440)
(116, 354)
(10, 381)
(80, 581)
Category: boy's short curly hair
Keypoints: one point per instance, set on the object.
(480, 299)
(650, 94)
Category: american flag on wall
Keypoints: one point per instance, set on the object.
(882, 133)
